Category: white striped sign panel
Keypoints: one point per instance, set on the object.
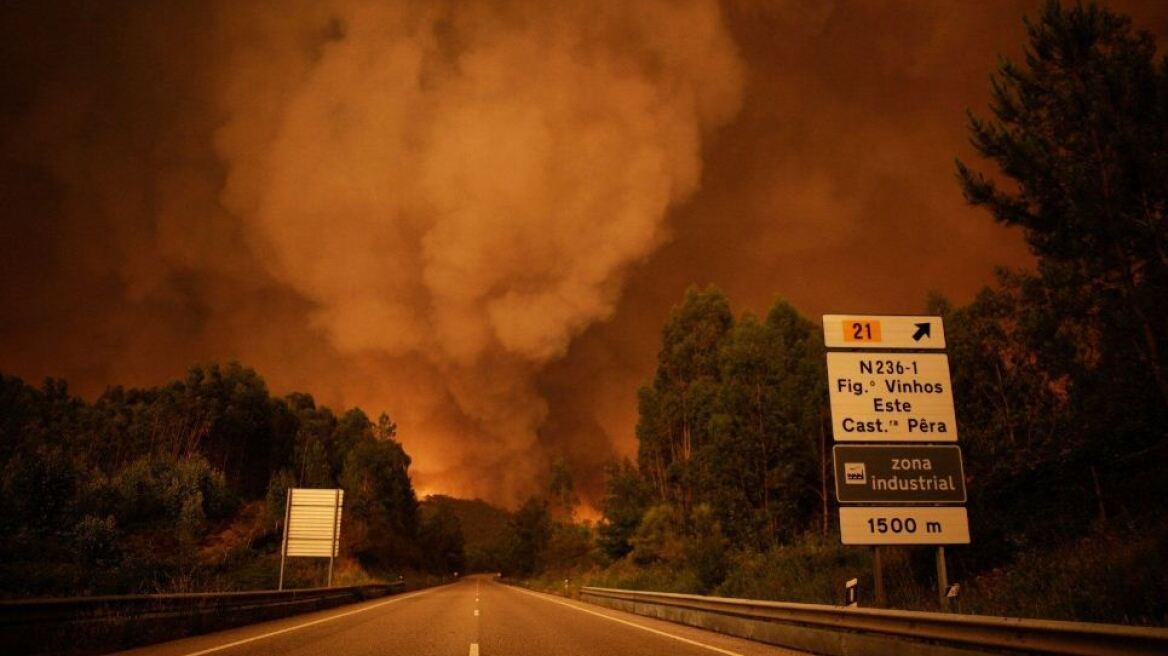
(314, 522)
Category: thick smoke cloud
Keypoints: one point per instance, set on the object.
(447, 193)
(474, 215)
(467, 185)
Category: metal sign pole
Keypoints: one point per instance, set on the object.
(336, 521)
(878, 574)
(284, 545)
(942, 580)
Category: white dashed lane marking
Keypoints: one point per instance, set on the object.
(301, 626)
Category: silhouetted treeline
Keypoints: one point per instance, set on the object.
(734, 443)
(182, 486)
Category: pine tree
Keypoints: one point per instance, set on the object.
(1081, 127)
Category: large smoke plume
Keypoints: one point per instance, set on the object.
(449, 192)
(464, 185)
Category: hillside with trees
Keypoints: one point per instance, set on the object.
(484, 530)
(182, 487)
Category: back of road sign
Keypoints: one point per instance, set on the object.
(883, 332)
(314, 522)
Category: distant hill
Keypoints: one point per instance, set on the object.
(484, 525)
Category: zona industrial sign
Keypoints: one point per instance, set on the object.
(868, 473)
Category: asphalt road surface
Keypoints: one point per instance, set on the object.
(473, 617)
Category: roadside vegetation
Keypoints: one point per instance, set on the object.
(182, 487)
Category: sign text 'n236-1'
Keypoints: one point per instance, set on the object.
(891, 397)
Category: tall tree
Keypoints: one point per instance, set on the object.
(675, 412)
(626, 497)
(1018, 443)
(769, 448)
(441, 539)
(802, 408)
(379, 497)
(562, 499)
(1081, 127)
(531, 530)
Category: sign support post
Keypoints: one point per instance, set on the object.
(333, 551)
(878, 574)
(284, 543)
(942, 580)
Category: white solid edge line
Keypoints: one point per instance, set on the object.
(474, 649)
(301, 626)
(632, 624)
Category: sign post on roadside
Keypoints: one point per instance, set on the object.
(898, 470)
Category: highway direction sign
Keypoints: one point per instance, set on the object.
(898, 474)
(891, 397)
(883, 332)
(904, 525)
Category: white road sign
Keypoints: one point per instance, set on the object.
(891, 397)
(903, 525)
(883, 332)
(314, 522)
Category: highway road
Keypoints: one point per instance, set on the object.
(474, 617)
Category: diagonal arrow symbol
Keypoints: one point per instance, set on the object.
(923, 330)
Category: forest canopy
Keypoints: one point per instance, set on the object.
(182, 486)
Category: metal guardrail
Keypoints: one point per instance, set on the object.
(90, 625)
(838, 630)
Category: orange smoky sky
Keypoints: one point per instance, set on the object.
(476, 216)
